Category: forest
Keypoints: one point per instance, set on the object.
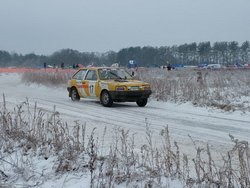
(224, 53)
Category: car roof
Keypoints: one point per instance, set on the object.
(96, 68)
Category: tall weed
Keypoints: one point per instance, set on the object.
(29, 134)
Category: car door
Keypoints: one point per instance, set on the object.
(90, 84)
(80, 83)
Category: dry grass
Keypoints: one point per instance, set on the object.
(224, 89)
(28, 133)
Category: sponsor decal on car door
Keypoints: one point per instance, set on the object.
(82, 87)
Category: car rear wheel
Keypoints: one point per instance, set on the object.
(142, 102)
(106, 99)
(74, 95)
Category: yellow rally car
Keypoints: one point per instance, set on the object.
(109, 85)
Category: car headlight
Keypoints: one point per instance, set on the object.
(120, 88)
(147, 88)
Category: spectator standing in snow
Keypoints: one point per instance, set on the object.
(62, 65)
(169, 67)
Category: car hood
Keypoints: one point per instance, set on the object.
(120, 82)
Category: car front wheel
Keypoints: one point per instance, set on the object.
(74, 95)
(142, 102)
(106, 99)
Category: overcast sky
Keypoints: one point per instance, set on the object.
(46, 26)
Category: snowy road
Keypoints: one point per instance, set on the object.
(203, 125)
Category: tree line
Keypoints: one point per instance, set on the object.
(224, 53)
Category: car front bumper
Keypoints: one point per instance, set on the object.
(130, 96)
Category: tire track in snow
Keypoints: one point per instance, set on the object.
(133, 117)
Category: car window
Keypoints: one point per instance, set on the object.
(91, 75)
(80, 75)
(114, 74)
(103, 73)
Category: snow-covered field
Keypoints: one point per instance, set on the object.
(189, 126)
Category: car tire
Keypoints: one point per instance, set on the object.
(74, 95)
(106, 99)
(142, 102)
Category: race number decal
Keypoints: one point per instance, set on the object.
(92, 88)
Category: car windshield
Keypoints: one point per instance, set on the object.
(106, 74)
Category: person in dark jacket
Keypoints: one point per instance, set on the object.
(169, 67)
(62, 65)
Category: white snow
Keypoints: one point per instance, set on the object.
(203, 125)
